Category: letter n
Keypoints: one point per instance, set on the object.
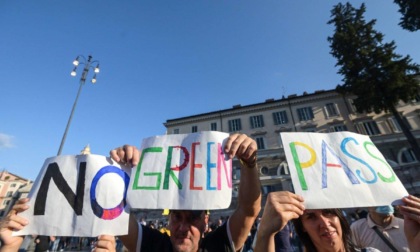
(75, 200)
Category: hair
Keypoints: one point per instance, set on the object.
(307, 241)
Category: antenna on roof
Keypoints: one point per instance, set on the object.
(283, 91)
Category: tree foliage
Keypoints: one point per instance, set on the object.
(372, 70)
(410, 10)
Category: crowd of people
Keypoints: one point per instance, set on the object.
(34, 243)
(284, 215)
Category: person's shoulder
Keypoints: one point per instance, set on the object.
(217, 240)
(358, 223)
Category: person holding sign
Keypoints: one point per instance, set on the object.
(187, 226)
(323, 229)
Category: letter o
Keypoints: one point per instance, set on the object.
(110, 213)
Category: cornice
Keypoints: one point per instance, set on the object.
(253, 108)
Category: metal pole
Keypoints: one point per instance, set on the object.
(82, 82)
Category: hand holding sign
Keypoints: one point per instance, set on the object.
(185, 171)
(127, 155)
(243, 147)
(411, 212)
(90, 192)
(340, 169)
(13, 222)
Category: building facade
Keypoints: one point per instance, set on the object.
(322, 112)
(12, 188)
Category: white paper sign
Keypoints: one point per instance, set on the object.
(339, 170)
(182, 172)
(82, 195)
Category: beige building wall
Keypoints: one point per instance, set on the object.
(321, 111)
(10, 184)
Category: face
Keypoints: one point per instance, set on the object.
(324, 229)
(186, 229)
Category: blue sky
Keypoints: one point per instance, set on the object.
(159, 59)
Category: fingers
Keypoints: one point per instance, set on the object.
(12, 221)
(286, 202)
(280, 208)
(20, 206)
(411, 209)
(105, 243)
(126, 155)
(241, 146)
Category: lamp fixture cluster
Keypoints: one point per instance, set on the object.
(88, 65)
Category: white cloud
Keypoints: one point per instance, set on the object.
(6, 141)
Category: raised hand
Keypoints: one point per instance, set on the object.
(126, 155)
(411, 212)
(13, 222)
(105, 243)
(243, 147)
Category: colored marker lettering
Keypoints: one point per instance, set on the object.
(193, 166)
(138, 170)
(110, 213)
(169, 171)
(299, 165)
(358, 172)
(384, 179)
(346, 169)
(188, 161)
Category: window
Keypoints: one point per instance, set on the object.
(280, 117)
(407, 156)
(331, 109)
(13, 185)
(337, 128)
(260, 143)
(305, 114)
(267, 189)
(395, 126)
(194, 129)
(213, 126)
(6, 202)
(368, 128)
(257, 121)
(176, 131)
(235, 125)
(264, 171)
(353, 107)
(9, 194)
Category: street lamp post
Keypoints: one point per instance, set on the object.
(88, 65)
